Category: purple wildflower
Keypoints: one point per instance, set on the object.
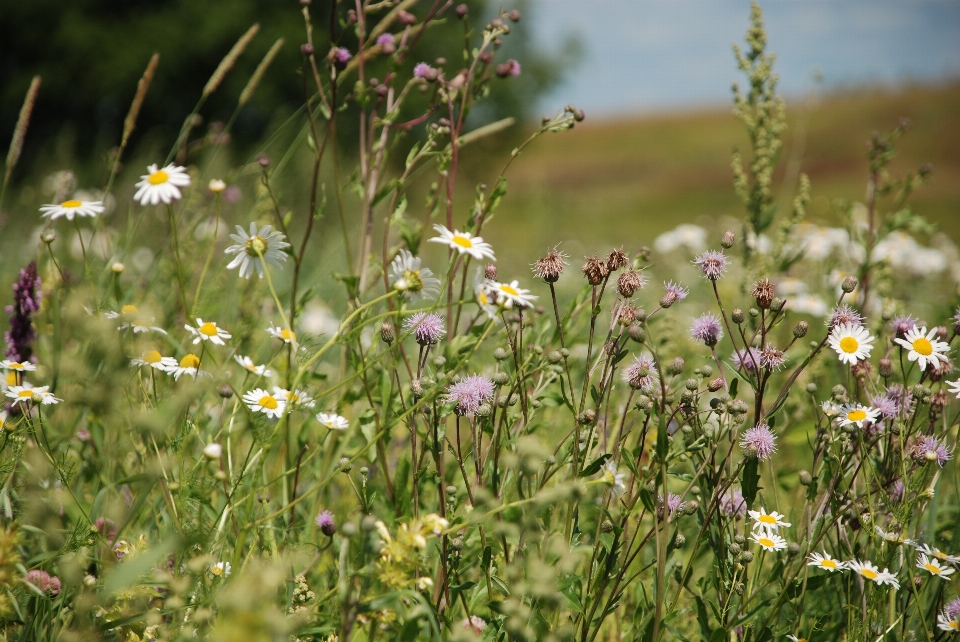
(326, 523)
(469, 393)
(421, 70)
(385, 39)
(952, 610)
(43, 581)
(903, 398)
(674, 502)
(712, 263)
(427, 327)
(746, 359)
(771, 358)
(732, 503)
(706, 328)
(641, 374)
(759, 442)
(897, 491)
(341, 56)
(675, 290)
(902, 325)
(843, 314)
(26, 301)
(107, 529)
(929, 448)
(888, 407)
(514, 68)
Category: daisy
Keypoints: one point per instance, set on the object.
(871, 572)
(933, 565)
(247, 364)
(955, 388)
(161, 185)
(949, 617)
(153, 359)
(131, 319)
(936, 553)
(220, 569)
(333, 421)
(189, 365)
(72, 208)
(253, 249)
(285, 335)
(3, 419)
(825, 562)
(484, 298)
(40, 395)
(831, 409)
(259, 400)
(852, 342)
(298, 399)
(795, 638)
(407, 276)
(511, 294)
(208, 331)
(893, 537)
(924, 349)
(770, 522)
(463, 242)
(615, 479)
(17, 366)
(858, 415)
(769, 541)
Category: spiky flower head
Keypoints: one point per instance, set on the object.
(748, 359)
(732, 503)
(844, 315)
(595, 270)
(771, 358)
(629, 282)
(641, 374)
(616, 259)
(712, 264)
(427, 327)
(469, 393)
(764, 291)
(675, 291)
(903, 324)
(759, 442)
(930, 449)
(707, 329)
(327, 524)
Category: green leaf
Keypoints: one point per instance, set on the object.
(733, 388)
(751, 480)
(663, 439)
(593, 467)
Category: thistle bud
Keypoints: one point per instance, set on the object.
(406, 18)
(777, 304)
(763, 292)
(728, 239)
(629, 282)
(628, 314)
(637, 333)
(344, 465)
(461, 11)
(500, 354)
(668, 299)
(745, 557)
(500, 378)
(306, 49)
(679, 540)
(800, 330)
(886, 367)
(225, 391)
(48, 237)
(805, 477)
(616, 259)
(514, 16)
(595, 270)
(606, 526)
(734, 549)
(416, 388)
(490, 271)
(715, 384)
(676, 366)
(849, 284)
(387, 334)
(737, 316)
(587, 417)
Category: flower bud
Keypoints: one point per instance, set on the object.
(490, 271)
(344, 465)
(225, 391)
(514, 16)
(728, 239)
(668, 299)
(587, 417)
(800, 330)
(606, 526)
(461, 11)
(48, 237)
(745, 557)
(213, 451)
(849, 284)
(500, 378)
(387, 333)
(777, 304)
(737, 316)
(416, 388)
(734, 549)
(406, 18)
(500, 354)
(805, 477)
(348, 529)
(676, 366)
(307, 50)
(715, 384)
(679, 540)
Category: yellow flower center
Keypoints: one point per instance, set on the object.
(462, 241)
(208, 329)
(867, 573)
(256, 246)
(767, 519)
(483, 299)
(288, 335)
(849, 345)
(940, 555)
(71, 204)
(268, 402)
(25, 394)
(922, 346)
(763, 541)
(293, 397)
(159, 177)
(152, 356)
(11, 378)
(828, 564)
(16, 366)
(933, 568)
(129, 309)
(509, 290)
(216, 570)
(856, 415)
(190, 361)
(954, 625)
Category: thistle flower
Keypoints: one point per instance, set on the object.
(844, 315)
(333, 421)
(207, 331)
(341, 56)
(771, 358)
(928, 449)
(759, 442)
(923, 348)
(641, 374)
(595, 270)
(550, 267)
(732, 503)
(629, 282)
(712, 264)
(903, 324)
(851, 342)
(252, 250)
(616, 259)
(673, 503)
(469, 393)
(427, 327)
(326, 523)
(707, 329)
(764, 291)
(69, 209)
(675, 291)
(161, 185)
(387, 43)
(464, 243)
(26, 301)
(422, 70)
(825, 562)
(887, 407)
(747, 359)
(408, 277)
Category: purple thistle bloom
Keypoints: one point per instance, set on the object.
(904, 399)
(43, 581)
(673, 503)
(469, 393)
(747, 359)
(342, 56)
(712, 264)
(902, 325)
(427, 327)
(675, 290)
(759, 442)
(513, 68)
(26, 301)
(843, 314)
(888, 407)
(421, 70)
(952, 609)
(732, 503)
(326, 523)
(706, 328)
(385, 39)
(641, 374)
(897, 491)
(929, 448)
(771, 358)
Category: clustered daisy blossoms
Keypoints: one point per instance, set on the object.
(766, 529)
(161, 185)
(263, 245)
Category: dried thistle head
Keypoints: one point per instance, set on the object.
(629, 282)
(550, 267)
(595, 270)
(764, 291)
(616, 259)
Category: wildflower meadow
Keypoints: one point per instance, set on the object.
(297, 396)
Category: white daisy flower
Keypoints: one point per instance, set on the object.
(858, 415)
(893, 538)
(208, 331)
(955, 388)
(189, 365)
(770, 522)
(948, 622)
(72, 208)
(936, 553)
(220, 569)
(213, 450)
(510, 294)
(831, 409)
(484, 298)
(298, 399)
(768, 541)
(161, 185)
(933, 565)
(613, 478)
(255, 248)
(852, 342)
(871, 572)
(17, 366)
(795, 638)
(924, 349)
(407, 276)
(131, 318)
(3, 419)
(825, 562)
(39, 395)
(259, 400)
(247, 364)
(285, 335)
(333, 421)
(154, 359)
(463, 242)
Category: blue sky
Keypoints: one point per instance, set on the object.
(649, 55)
